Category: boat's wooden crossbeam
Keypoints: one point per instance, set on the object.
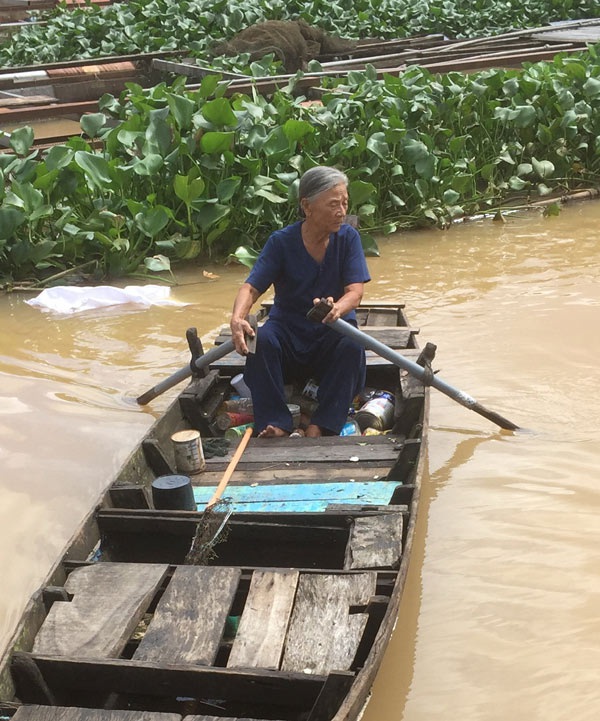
(135, 678)
(348, 450)
(391, 335)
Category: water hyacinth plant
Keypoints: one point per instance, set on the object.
(185, 173)
(193, 26)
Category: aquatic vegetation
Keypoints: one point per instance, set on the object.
(194, 26)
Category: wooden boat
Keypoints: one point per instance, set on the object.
(285, 609)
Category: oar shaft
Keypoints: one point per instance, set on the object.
(370, 343)
(202, 362)
(230, 468)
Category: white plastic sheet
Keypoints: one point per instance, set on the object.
(71, 299)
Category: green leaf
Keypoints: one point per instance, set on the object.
(296, 130)
(95, 167)
(517, 183)
(216, 142)
(157, 263)
(244, 255)
(212, 213)
(360, 192)
(591, 88)
(451, 196)
(21, 140)
(369, 245)
(378, 145)
(91, 123)
(10, 220)
(271, 197)
(188, 189)
(227, 188)
(544, 168)
(58, 157)
(149, 165)
(219, 112)
(152, 221)
(182, 109)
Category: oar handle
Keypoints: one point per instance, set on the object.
(203, 361)
(370, 343)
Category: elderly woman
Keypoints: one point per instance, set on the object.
(317, 257)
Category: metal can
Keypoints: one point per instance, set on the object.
(189, 455)
(377, 413)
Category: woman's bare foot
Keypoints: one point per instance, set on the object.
(273, 432)
(313, 431)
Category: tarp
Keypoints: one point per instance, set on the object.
(73, 299)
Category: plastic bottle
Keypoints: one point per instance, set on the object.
(351, 428)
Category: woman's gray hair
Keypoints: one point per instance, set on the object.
(317, 180)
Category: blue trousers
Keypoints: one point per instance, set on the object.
(284, 353)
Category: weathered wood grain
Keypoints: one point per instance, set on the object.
(234, 363)
(323, 634)
(277, 452)
(108, 601)
(375, 542)
(189, 620)
(68, 713)
(263, 626)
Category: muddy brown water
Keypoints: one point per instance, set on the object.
(501, 615)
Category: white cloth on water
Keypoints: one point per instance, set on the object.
(72, 299)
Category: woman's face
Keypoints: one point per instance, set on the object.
(328, 210)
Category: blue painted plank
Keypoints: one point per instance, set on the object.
(300, 497)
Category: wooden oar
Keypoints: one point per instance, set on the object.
(230, 468)
(202, 362)
(198, 361)
(369, 343)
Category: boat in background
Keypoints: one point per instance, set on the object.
(272, 599)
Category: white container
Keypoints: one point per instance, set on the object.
(240, 386)
(189, 456)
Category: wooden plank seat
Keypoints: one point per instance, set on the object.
(108, 601)
(188, 622)
(394, 336)
(324, 634)
(348, 450)
(260, 637)
(233, 363)
(72, 713)
(375, 542)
